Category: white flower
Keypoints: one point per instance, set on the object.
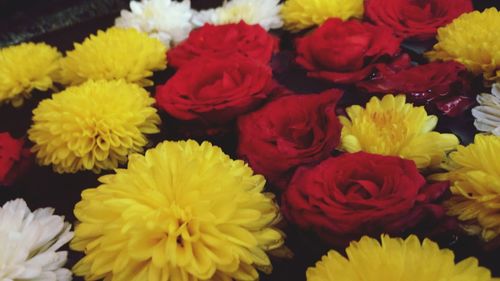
(487, 114)
(167, 20)
(263, 12)
(28, 244)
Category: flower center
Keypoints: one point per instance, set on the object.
(391, 127)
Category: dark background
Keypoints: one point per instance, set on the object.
(62, 22)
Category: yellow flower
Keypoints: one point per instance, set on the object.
(114, 54)
(472, 39)
(93, 126)
(26, 67)
(184, 211)
(302, 14)
(474, 173)
(392, 127)
(396, 259)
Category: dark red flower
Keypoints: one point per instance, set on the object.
(415, 19)
(14, 159)
(443, 84)
(358, 194)
(213, 91)
(347, 52)
(288, 132)
(222, 40)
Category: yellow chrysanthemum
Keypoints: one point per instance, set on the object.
(472, 39)
(26, 67)
(301, 14)
(182, 212)
(396, 259)
(474, 173)
(392, 127)
(114, 54)
(93, 126)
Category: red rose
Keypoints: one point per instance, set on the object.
(14, 159)
(358, 194)
(415, 19)
(214, 91)
(443, 84)
(222, 40)
(347, 52)
(288, 132)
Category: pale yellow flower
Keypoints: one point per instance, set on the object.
(302, 14)
(474, 173)
(393, 127)
(395, 259)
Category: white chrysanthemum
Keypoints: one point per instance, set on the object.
(29, 241)
(487, 114)
(263, 12)
(166, 20)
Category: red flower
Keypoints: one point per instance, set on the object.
(214, 91)
(222, 40)
(443, 84)
(415, 19)
(288, 132)
(347, 52)
(358, 194)
(14, 159)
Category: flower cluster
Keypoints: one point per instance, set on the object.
(340, 114)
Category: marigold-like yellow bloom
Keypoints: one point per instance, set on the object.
(395, 259)
(93, 126)
(114, 54)
(182, 212)
(474, 173)
(392, 127)
(301, 14)
(472, 39)
(26, 67)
